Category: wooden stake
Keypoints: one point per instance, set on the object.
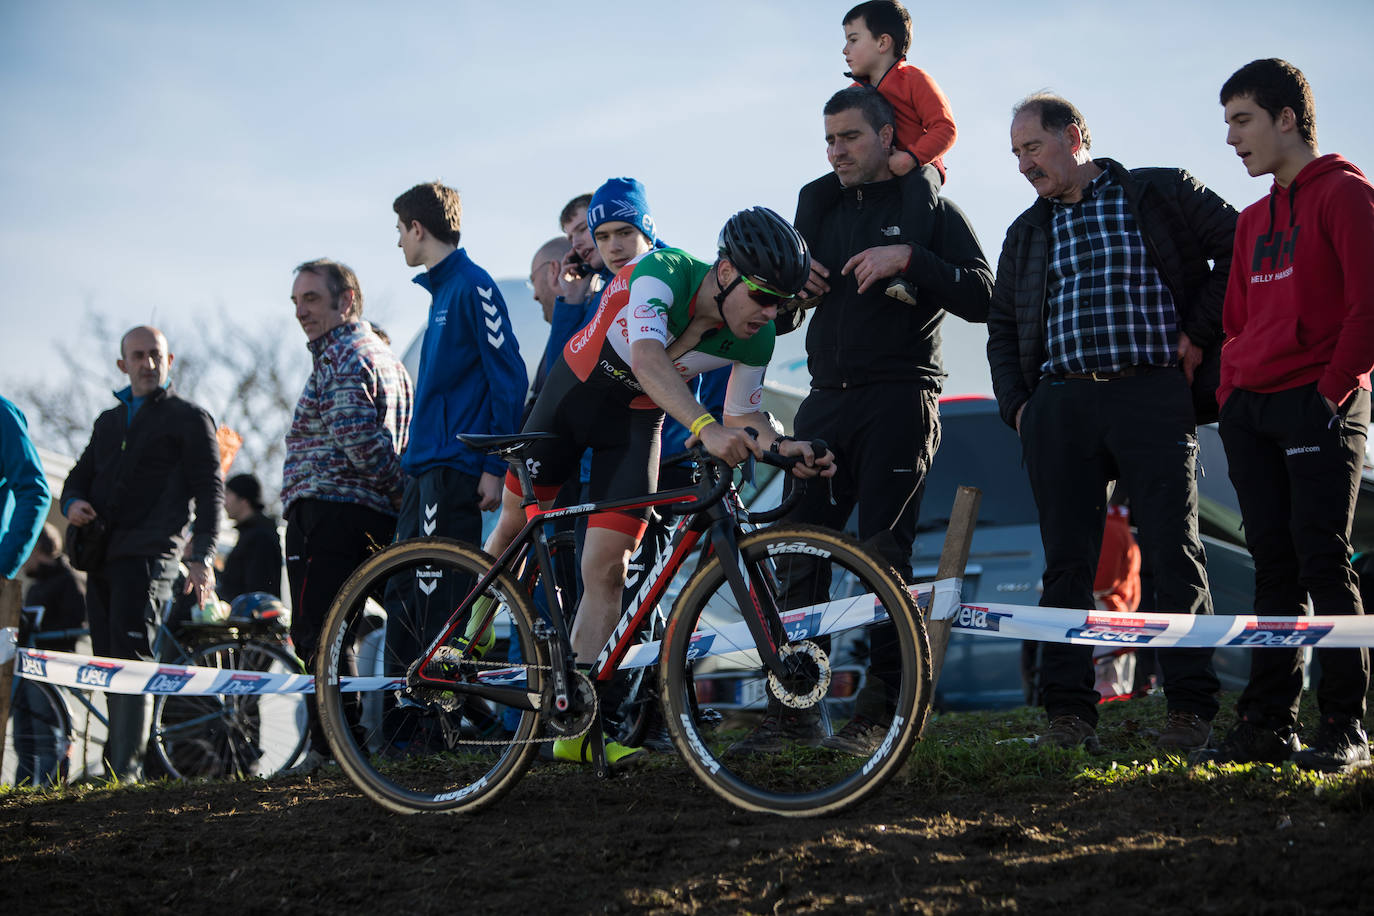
(11, 599)
(953, 559)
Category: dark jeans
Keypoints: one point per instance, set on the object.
(123, 600)
(1077, 435)
(325, 542)
(884, 437)
(1297, 473)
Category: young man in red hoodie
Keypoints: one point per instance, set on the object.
(1294, 396)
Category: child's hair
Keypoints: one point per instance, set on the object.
(434, 206)
(1275, 85)
(884, 17)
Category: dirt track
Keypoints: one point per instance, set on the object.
(657, 842)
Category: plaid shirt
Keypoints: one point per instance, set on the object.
(1108, 307)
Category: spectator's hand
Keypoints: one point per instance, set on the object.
(572, 286)
(874, 264)
(900, 162)
(811, 466)
(816, 285)
(1020, 410)
(1331, 406)
(489, 492)
(1189, 356)
(200, 581)
(80, 513)
(731, 444)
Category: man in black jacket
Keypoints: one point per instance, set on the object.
(254, 565)
(147, 460)
(875, 364)
(1103, 308)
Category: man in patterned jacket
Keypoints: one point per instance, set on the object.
(342, 481)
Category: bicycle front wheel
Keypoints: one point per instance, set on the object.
(431, 747)
(37, 738)
(232, 736)
(856, 691)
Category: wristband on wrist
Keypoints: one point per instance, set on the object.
(779, 441)
(701, 423)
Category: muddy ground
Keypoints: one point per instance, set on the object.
(656, 842)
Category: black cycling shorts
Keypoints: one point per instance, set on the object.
(586, 415)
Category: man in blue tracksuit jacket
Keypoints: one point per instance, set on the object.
(471, 379)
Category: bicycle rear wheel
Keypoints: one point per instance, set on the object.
(232, 736)
(429, 748)
(857, 652)
(37, 738)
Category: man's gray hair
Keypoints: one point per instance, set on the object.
(1056, 114)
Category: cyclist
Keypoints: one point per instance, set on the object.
(665, 318)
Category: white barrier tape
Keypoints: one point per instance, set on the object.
(9, 640)
(1008, 621)
(119, 675)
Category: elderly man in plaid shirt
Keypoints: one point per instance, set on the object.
(1104, 305)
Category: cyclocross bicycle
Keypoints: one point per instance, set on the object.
(438, 675)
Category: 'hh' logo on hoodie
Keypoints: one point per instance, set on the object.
(1276, 251)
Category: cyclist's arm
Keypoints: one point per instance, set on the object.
(660, 380)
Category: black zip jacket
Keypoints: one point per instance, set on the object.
(1185, 225)
(858, 339)
(177, 462)
(254, 565)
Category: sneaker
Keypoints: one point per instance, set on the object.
(1070, 731)
(1341, 746)
(780, 728)
(312, 761)
(1248, 742)
(861, 737)
(1184, 731)
(902, 291)
(578, 750)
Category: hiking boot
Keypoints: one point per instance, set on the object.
(861, 737)
(1184, 731)
(781, 728)
(1341, 746)
(1248, 742)
(1070, 731)
(902, 291)
(579, 750)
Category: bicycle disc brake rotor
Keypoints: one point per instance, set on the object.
(808, 676)
(581, 708)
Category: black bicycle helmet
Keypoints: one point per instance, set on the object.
(767, 250)
(256, 607)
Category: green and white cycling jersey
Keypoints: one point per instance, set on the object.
(654, 298)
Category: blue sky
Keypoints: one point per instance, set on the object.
(161, 159)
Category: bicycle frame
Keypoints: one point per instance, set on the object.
(717, 520)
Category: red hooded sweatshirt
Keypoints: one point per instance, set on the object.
(1300, 300)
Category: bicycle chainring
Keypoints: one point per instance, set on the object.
(581, 711)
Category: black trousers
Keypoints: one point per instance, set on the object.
(884, 437)
(1077, 435)
(1296, 470)
(123, 600)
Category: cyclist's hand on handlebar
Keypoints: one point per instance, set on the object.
(810, 465)
(731, 444)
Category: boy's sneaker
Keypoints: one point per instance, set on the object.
(781, 728)
(1184, 731)
(1070, 731)
(1341, 746)
(861, 737)
(1248, 742)
(902, 291)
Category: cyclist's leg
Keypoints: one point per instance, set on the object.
(604, 558)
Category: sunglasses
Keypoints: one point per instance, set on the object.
(762, 294)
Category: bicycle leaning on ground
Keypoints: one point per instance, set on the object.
(473, 676)
(222, 736)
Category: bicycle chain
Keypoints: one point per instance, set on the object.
(434, 695)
